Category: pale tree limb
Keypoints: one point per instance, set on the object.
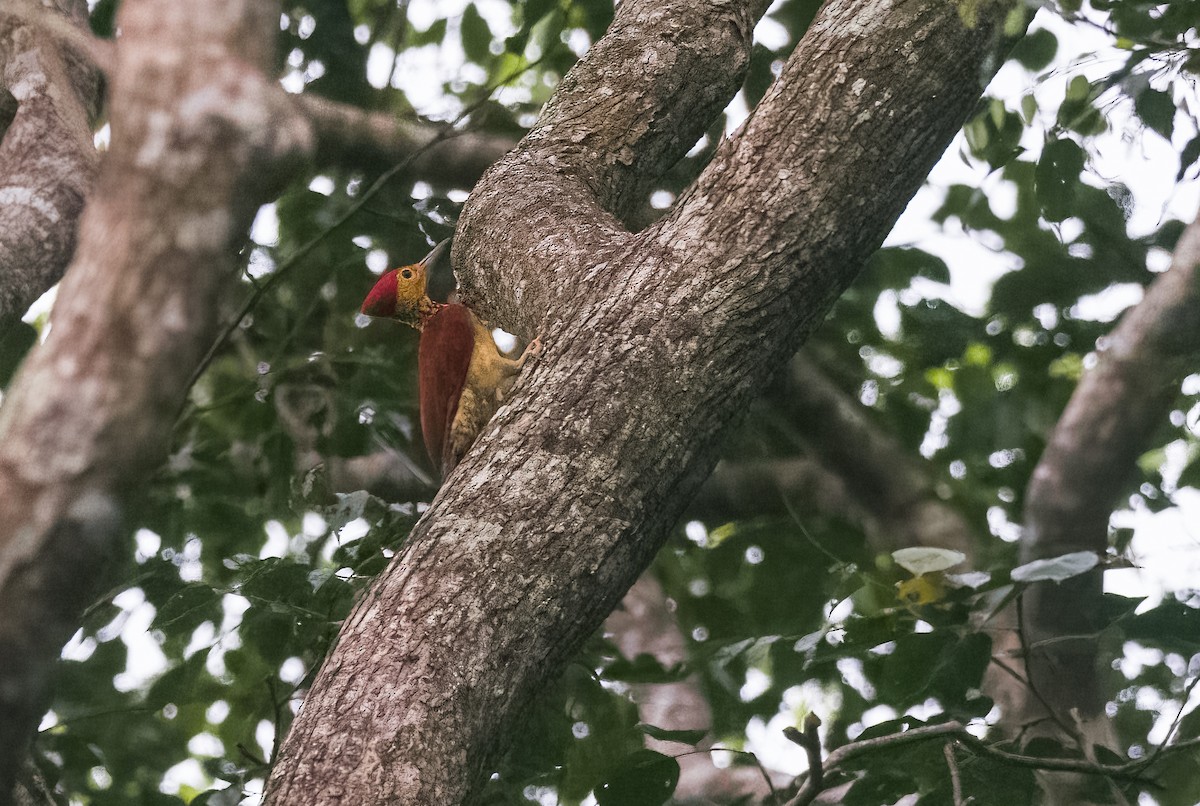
(1090, 456)
(956, 791)
(347, 135)
(48, 97)
(655, 345)
(32, 788)
(894, 492)
(202, 136)
(644, 624)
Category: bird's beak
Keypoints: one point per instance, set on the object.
(442, 250)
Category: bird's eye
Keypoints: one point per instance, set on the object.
(406, 274)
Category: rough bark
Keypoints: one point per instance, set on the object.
(48, 97)
(648, 362)
(1089, 458)
(201, 137)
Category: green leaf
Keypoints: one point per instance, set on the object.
(1157, 109)
(1077, 112)
(682, 736)
(476, 35)
(103, 16)
(1173, 626)
(643, 778)
(1188, 157)
(188, 608)
(1056, 569)
(433, 35)
(1036, 50)
(1057, 178)
(1190, 477)
(1029, 108)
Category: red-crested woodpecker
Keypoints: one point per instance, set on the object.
(462, 376)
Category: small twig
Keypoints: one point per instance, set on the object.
(1026, 646)
(1127, 771)
(277, 706)
(1187, 695)
(818, 772)
(955, 780)
(250, 754)
(810, 740)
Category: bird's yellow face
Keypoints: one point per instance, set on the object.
(400, 294)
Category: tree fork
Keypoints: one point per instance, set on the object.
(574, 486)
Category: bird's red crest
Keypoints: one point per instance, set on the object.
(382, 299)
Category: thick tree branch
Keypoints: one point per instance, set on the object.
(655, 345)
(640, 98)
(1091, 454)
(47, 160)
(894, 492)
(347, 135)
(201, 137)
(754, 488)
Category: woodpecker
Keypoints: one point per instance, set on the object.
(462, 375)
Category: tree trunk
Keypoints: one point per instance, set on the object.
(48, 95)
(201, 137)
(655, 343)
(1091, 454)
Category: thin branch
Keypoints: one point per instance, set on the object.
(1187, 695)
(955, 780)
(809, 739)
(819, 772)
(894, 493)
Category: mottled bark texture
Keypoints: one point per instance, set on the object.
(1090, 456)
(48, 96)
(201, 136)
(655, 343)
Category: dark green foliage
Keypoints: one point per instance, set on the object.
(643, 778)
(1036, 50)
(1057, 178)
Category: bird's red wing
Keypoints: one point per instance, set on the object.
(443, 355)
